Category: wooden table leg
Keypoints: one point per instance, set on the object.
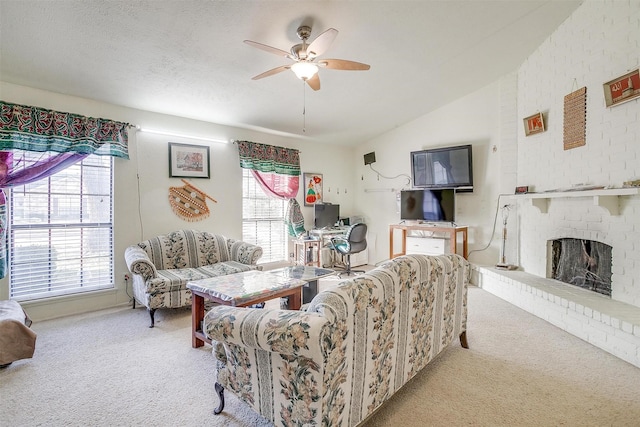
(391, 229)
(295, 300)
(465, 248)
(197, 316)
(454, 241)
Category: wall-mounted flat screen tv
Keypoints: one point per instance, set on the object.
(449, 167)
(428, 205)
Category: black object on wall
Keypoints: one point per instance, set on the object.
(370, 158)
(447, 167)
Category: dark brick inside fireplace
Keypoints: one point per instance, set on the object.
(583, 263)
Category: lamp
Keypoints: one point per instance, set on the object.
(304, 70)
(502, 265)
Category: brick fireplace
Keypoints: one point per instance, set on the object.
(609, 157)
(611, 322)
(615, 224)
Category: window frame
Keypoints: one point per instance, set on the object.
(19, 234)
(276, 223)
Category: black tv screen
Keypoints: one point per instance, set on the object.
(326, 215)
(428, 205)
(450, 167)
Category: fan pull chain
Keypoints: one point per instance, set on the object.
(304, 107)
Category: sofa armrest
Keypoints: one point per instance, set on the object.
(287, 332)
(139, 262)
(244, 252)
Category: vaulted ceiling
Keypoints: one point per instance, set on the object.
(188, 59)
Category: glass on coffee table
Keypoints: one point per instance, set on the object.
(307, 273)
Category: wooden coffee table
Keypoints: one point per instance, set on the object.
(239, 290)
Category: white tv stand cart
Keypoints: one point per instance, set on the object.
(431, 245)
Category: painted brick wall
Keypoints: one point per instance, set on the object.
(508, 160)
(597, 43)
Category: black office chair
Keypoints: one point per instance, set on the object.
(353, 242)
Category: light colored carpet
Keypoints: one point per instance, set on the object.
(107, 368)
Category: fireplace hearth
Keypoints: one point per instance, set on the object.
(582, 263)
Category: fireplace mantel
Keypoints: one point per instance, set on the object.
(605, 198)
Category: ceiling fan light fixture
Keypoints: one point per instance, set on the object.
(304, 70)
(304, 56)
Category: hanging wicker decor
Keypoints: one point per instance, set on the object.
(575, 119)
(189, 202)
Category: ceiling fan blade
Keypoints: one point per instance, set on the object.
(271, 72)
(342, 64)
(314, 82)
(322, 42)
(269, 49)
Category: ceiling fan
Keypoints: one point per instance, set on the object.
(305, 56)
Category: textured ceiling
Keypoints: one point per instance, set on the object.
(187, 58)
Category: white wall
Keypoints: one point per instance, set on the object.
(474, 119)
(597, 43)
(141, 205)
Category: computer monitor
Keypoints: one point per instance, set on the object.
(326, 215)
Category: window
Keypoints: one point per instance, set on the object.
(263, 220)
(61, 231)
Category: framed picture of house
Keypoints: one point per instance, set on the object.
(534, 124)
(188, 161)
(623, 89)
(312, 188)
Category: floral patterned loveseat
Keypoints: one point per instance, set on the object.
(162, 266)
(354, 346)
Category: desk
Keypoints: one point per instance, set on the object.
(307, 252)
(452, 232)
(324, 236)
(328, 233)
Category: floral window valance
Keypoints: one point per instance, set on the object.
(30, 128)
(269, 158)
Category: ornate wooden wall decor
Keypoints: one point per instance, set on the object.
(189, 202)
(575, 119)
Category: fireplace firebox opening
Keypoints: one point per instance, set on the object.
(582, 263)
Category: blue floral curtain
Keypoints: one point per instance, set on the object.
(294, 219)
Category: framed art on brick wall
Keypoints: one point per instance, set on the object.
(533, 124)
(623, 89)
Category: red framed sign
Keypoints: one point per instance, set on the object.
(623, 89)
(533, 124)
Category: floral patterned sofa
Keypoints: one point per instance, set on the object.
(162, 266)
(354, 346)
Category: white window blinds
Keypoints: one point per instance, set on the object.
(263, 220)
(61, 232)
